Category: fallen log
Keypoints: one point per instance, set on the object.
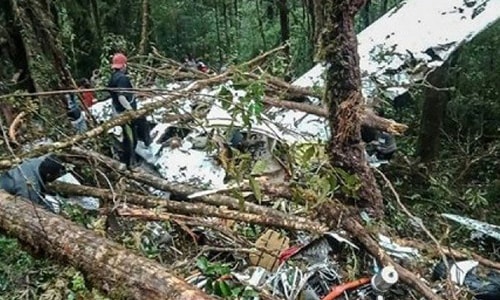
(368, 117)
(187, 208)
(107, 265)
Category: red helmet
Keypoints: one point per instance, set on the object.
(119, 61)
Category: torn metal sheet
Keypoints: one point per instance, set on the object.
(397, 50)
(483, 284)
(396, 250)
(482, 227)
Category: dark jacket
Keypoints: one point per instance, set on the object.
(73, 110)
(25, 181)
(120, 80)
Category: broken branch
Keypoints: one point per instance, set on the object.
(186, 207)
(182, 191)
(119, 120)
(13, 127)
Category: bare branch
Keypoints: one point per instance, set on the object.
(187, 208)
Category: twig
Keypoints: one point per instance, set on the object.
(13, 127)
(257, 60)
(235, 250)
(109, 185)
(450, 291)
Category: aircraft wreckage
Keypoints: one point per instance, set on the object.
(396, 52)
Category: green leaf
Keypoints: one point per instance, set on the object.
(224, 288)
(236, 291)
(202, 263)
(256, 189)
(259, 167)
(309, 153)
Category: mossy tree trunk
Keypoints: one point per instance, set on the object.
(109, 266)
(433, 113)
(36, 33)
(337, 45)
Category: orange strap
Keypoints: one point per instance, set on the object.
(340, 289)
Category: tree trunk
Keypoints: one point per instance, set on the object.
(17, 51)
(261, 24)
(366, 14)
(317, 7)
(338, 47)
(219, 38)
(433, 113)
(385, 5)
(284, 24)
(39, 36)
(144, 27)
(311, 19)
(109, 266)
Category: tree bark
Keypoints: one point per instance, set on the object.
(16, 48)
(144, 27)
(261, 24)
(366, 14)
(109, 266)
(218, 34)
(433, 113)
(338, 47)
(39, 35)
(284, 24)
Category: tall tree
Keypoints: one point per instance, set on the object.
(144, 27)
(436, 97)
(337, 45)
(284, 24)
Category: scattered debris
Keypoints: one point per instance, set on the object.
(481, 227)
(484, 286)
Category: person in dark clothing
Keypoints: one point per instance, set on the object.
(75, 114)
(124, 101)
(28, 180)
(381, 143)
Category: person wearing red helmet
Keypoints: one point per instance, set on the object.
(123, 101)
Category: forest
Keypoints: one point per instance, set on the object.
(266, 149)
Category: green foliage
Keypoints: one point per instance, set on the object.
(25, 277)
(464, 179)
(475, 107)
(216, 282)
